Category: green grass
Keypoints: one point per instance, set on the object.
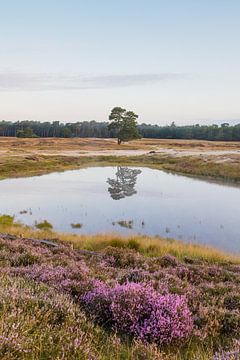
(20, 166)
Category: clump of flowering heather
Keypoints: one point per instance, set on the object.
(140, 311)
(97, 303)
(121, 257)
(233, 354)
(37, 322)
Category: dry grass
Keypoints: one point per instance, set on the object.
(17, 145)
(24, 165)
(149, 246)
(27, 157)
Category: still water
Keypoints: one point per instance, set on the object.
(129, 201)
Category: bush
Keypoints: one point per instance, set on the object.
(45, 225)
(6, 220)
(97, 302)
(123, 258)
(140, 311)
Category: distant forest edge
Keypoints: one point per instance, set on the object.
(30, 129)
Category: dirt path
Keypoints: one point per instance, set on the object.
(161, 151)
(79, 147)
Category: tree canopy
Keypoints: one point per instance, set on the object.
(223, 132)
(124, 123)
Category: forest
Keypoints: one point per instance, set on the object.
(31, 128)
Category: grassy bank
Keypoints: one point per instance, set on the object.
(145, 245)
(18, 166)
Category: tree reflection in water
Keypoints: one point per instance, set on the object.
(124, 184)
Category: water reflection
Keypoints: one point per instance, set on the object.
(124, 184)
(167, 205)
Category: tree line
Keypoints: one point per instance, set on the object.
(31, 128)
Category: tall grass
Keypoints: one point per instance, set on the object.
(148, 246)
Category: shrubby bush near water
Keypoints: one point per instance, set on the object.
(139, 310)
(60, 302)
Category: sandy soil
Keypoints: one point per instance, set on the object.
(220, 151)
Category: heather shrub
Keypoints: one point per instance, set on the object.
(232, 353)
(122, 258)
(97, 303)
(24, 260)
(232, 301)
(135, 276)
(139, 311)
(168, 260)
(39, 323)
(142, 312)
(231, 322)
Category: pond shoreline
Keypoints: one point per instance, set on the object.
(175, 206)
(27, 166)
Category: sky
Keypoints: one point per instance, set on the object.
(74, 60)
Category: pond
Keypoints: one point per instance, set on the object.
(128, 201)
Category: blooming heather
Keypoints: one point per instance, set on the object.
(138, 310)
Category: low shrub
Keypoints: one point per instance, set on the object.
(6, 220)
(45, 225)
(140, 311)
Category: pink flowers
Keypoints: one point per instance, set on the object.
(140, 311)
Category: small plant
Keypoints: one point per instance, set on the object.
(44, 225)
(77, 226)
(6, 220)
(133, 244)
(126, 224)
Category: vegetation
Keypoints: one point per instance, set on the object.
(6, 221)
(77, 226)
(116, 304)
(17, 166)
(111, 297)
(125, 223)
(145, 245)
(45, 225)
(224, 132)
(27, 132)
(124, 123)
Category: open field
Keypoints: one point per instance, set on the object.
(26, 157)
(87, 146)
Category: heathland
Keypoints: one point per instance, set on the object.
(112, 297)
(216, 160)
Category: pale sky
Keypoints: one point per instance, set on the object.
(74, 60)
